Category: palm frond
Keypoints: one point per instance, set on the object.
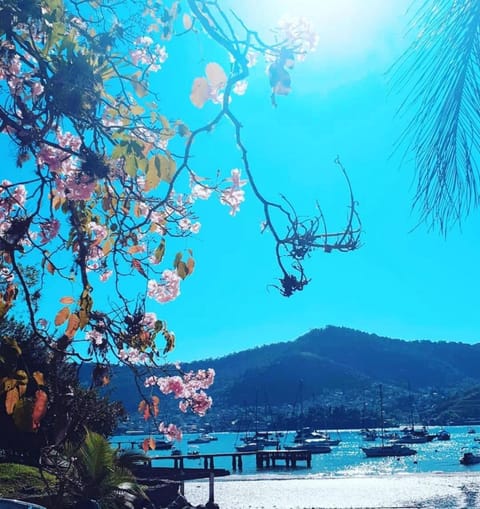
(96, 457)
(440, 76)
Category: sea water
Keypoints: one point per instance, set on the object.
(343, 478)
(346, 459)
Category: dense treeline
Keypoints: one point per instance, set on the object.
(331, 376)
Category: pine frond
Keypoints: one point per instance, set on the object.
(440, 75)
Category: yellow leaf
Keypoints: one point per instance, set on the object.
(73, 325)
(152, 177)
(62, 316)
(190, 265)
(216, 75)
(137, 110)
(21, 377)
(152, 28)
(200, 92)
(11, 400)
(8, 384)
(38, 377)
(107, 247)
(182, 270)
(140, 89)
(50, 268)
(135, 249)
(84, 318)
(187, 21)
(164, 121)
(67, 300)
(152, 443)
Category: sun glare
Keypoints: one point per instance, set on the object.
(346, 28)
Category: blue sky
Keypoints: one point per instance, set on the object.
(402, 284)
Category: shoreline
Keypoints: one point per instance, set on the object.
(402, 490)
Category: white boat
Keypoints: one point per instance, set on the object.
(384, 451)
(313, 445)
(204, 438)
(308, 433)
(250, 447)
(262, 437)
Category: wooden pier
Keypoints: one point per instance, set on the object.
(267, 459)
(263, 459)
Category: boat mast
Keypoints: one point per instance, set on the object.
(381, 415)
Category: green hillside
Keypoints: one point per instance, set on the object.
(336, 371)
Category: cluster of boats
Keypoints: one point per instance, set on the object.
(397, 443)
(315, 441)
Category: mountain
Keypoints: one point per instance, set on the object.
(337, 367)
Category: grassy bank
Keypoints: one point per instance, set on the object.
(20, 481)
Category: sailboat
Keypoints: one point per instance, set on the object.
(383, 451)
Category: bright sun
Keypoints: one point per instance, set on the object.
(346, 28)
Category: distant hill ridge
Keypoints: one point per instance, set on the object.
(332, 360)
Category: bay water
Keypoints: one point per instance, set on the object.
(345, 460)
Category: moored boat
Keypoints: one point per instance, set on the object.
(443, 435)
(470, 458)
(383, 451)
(315, 446)
(250, 447)
(204, 438)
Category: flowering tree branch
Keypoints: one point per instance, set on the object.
(105, 180)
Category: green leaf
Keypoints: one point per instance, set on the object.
(140, 89)
(152, 177)
(118, 151)
(160, 251)
(168, 167)
(131, 165)
(137, 110)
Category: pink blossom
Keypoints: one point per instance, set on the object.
(171, 431)
(151, 381)
(143, 41)
(201, 403)
(166, 290)
(184, 224)
(19, 195)
(233, 198)
(201, 192)
(95, 337)
(68, 140)
(240, 87)
(172, 384)
(104, 276)
(149, 320)
(37, 89)
(252, 57)
(98, 231)
(49, 230)
(195, 227)
(77, 187)
(133, 355)
(233, 195)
